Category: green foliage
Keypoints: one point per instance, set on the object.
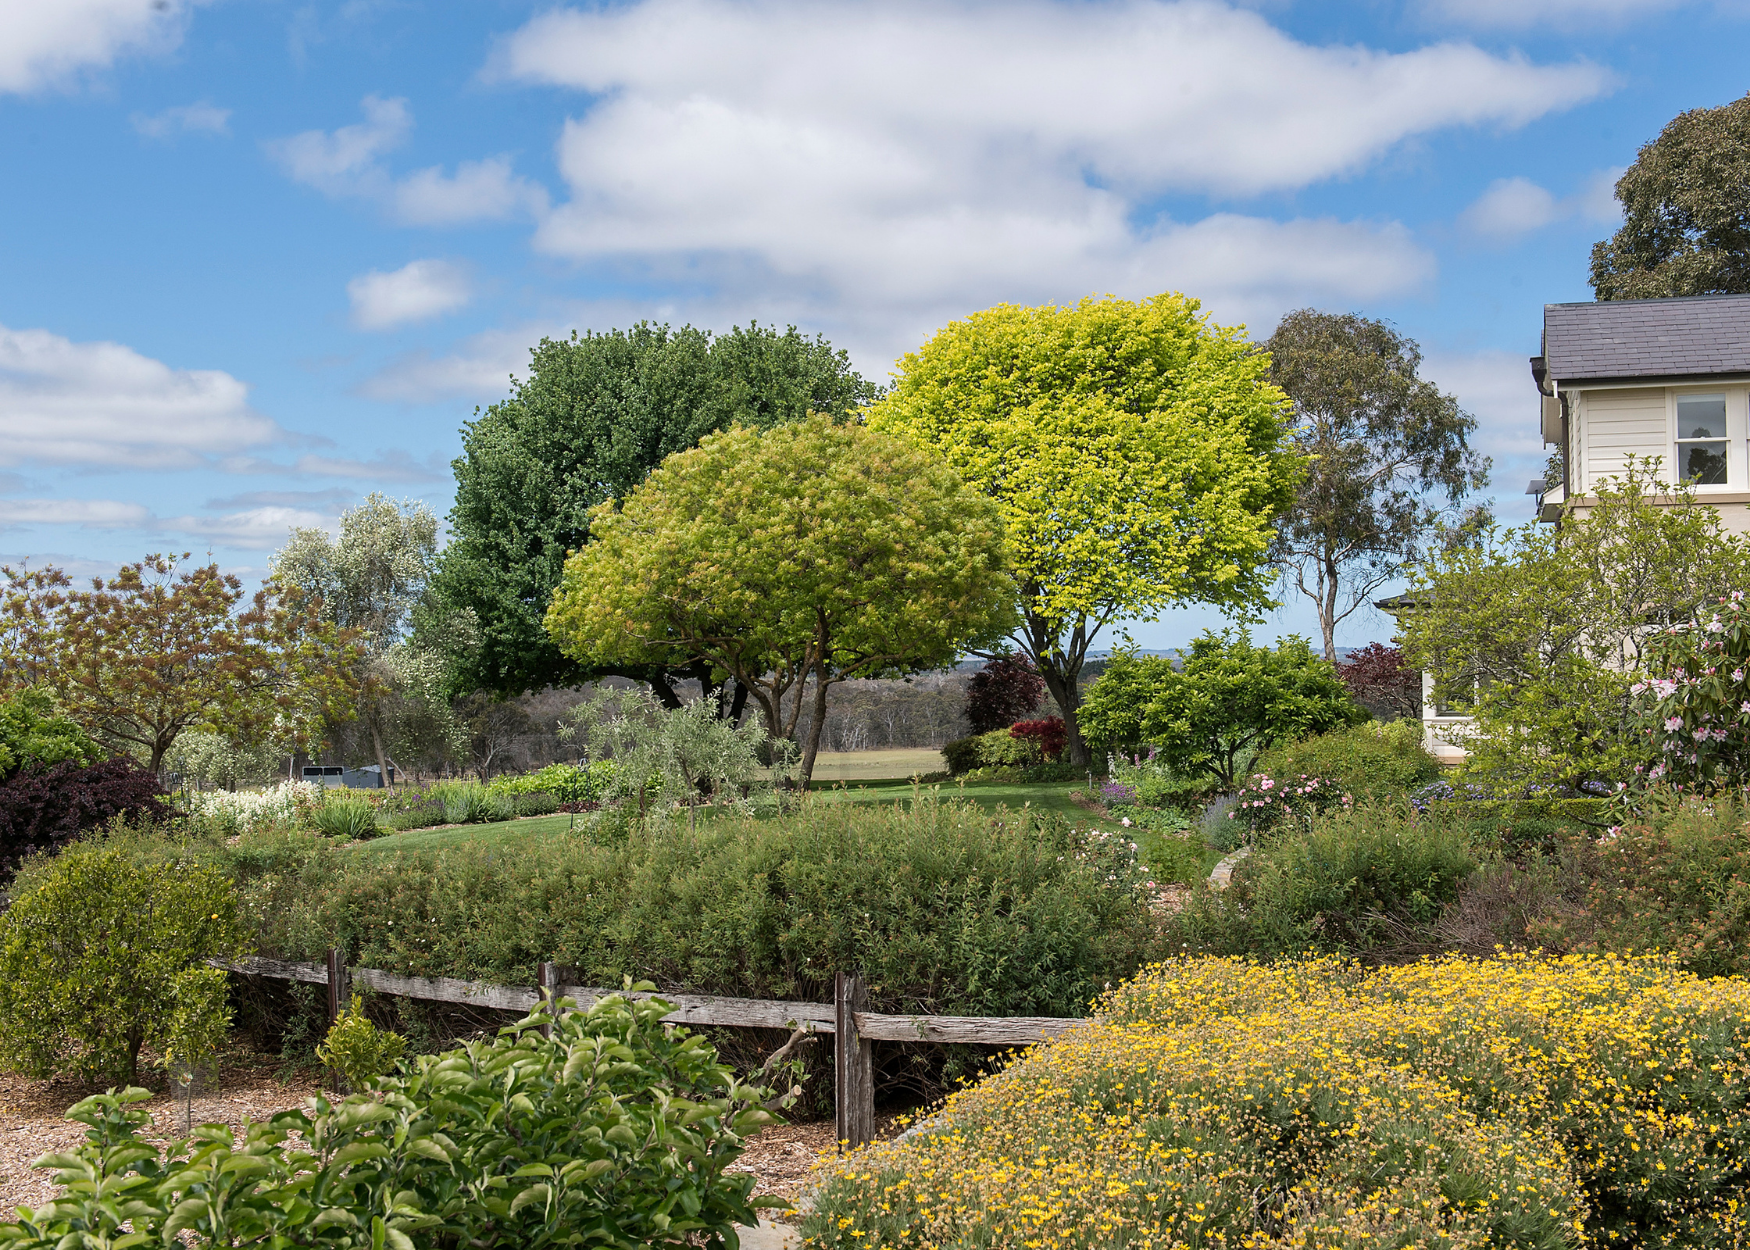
(356, 1050)
(1684, 230)
(1388, 458)
(91, 950)
(345, 817)
(964, 754)
(204, 758)
(594, 414)
(677, 755)
(945, 909)
(568, 783)
(1138, 454)
(886, 563)
(1376, 758)
(516, 1142)
(200, 1019)
(1230, 700)
(32, 735)
(470, 803)
(1354, 882)
(1695, 704)
(1538, 632)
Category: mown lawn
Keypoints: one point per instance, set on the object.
(990, 795)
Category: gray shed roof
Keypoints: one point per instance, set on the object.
(1646, 338)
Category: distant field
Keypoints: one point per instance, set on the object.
(877, 765)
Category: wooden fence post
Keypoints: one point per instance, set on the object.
(338, 998)
(547, 982)
(853, 1066)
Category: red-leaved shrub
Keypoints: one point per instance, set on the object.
(1002, 692)
(1046, 735)
(45, 808)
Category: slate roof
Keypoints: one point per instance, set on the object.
(1645, 338)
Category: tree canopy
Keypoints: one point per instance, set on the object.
(1138, 455)
(594, 415)
(809, 550)
(1388, 454)
(1230, 700)
(1686, 207)
(160, 648)
(1540, 632)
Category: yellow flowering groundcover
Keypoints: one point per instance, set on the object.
(1515, 1101)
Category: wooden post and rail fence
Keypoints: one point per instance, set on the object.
(854, 1027)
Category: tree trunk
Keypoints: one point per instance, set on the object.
(811, 748)
(377, 746)
(1066, 693)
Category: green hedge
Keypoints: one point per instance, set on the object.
(996, 749)
(1375, 759)
(944, 908)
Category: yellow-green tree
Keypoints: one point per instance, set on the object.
(811, 550)
(1137, 453)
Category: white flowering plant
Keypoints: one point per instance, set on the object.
(1696, 709)
(288, 804)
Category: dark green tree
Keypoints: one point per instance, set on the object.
(596, 413)
(1389, 459)
(1686, 203)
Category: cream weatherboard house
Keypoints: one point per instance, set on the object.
(1649, 378)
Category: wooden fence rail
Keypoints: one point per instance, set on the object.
(847, 1017)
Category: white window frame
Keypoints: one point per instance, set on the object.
(1736, 433)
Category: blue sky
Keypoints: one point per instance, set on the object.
(261, 258)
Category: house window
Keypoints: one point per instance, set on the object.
(1701, 439)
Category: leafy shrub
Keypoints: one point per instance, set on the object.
(283, 806)
(1375, 759)
(1692, 708)
(1356, 881)
(963, 755)
(346, 818)
(943, 908)
(567, 783)
(515, 1142)
(1449, 1103)
(535, 803)
(1229, 700)
(1679, 883)
(1265, 805)
(356, 1050)
(32, 736)
(47, 807)
(1046, 737)
(90, 953)
(1002, 692)
(1379, 679)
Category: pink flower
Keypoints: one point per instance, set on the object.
(1674, 723)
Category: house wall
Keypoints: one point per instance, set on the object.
(1617, 424)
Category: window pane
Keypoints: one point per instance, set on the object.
(1705, 463)
(1701, 416)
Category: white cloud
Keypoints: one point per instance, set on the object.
(479, 191)
(258, 528)
(349, 162)
(394, 465)
(197, 118)
(1574, 15)
(1496, 388)
(346, 161)
(104, 404)
(481, 367)
(418, 291)
(1511, 207)
(86, 513)
(45, 42)
(972, 153)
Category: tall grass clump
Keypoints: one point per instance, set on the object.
(1515, 1101)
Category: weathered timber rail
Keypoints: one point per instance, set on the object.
(854, 1028)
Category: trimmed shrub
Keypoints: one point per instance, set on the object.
(534, 803)
(1452, 1103)
(519, 1141)
(1046, 737)
(962, 755)
(1374, 759)
(567, 783)
(944, 908)
(43, 808)
(90, 952)
(1360, 881)
(357, 1051)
